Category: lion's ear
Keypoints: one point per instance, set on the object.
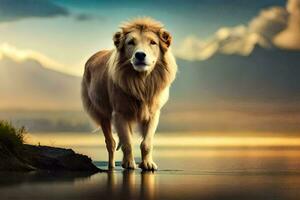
(165, 37)
(118, 37)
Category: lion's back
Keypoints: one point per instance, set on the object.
(94, 90)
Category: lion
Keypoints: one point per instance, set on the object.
(128, 86)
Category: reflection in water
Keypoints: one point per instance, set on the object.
(112, 183)
(166, 185)
(148, 185)
(40, 177)
(129, 187)
(127, 184)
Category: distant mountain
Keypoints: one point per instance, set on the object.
(29, 85)
(265, 75)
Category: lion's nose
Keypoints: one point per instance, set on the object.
(140, 55)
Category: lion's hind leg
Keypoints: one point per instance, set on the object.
(109, 140)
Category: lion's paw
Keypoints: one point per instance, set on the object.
(148, 165)
(128, 164)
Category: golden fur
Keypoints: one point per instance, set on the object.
(111, 85)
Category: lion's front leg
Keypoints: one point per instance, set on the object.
(122, 127)
(148, 129)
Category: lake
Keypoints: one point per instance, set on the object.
(191, 166)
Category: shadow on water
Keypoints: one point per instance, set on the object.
(8, 179)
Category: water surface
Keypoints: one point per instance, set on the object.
(190, 167)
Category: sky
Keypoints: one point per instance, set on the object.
(208, 92)
(66, 32)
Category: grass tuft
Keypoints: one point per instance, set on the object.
(11, 138)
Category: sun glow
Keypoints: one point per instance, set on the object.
(170, 140)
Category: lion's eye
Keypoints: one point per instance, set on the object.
(131, 42)
(152, 42)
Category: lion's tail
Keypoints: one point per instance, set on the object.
(120, 144)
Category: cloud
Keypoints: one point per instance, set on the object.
(11, 10)
(87, 17)
(84, 17)
(189, 49)
(21, 55)
(273, 27)
(237, 40)
(289, 38)
(269, 23)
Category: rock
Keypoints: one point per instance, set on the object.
(50, 158)
(45, 158)
(11, 162)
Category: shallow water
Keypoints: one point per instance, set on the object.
(190, 167)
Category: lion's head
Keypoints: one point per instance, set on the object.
(143, 42)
